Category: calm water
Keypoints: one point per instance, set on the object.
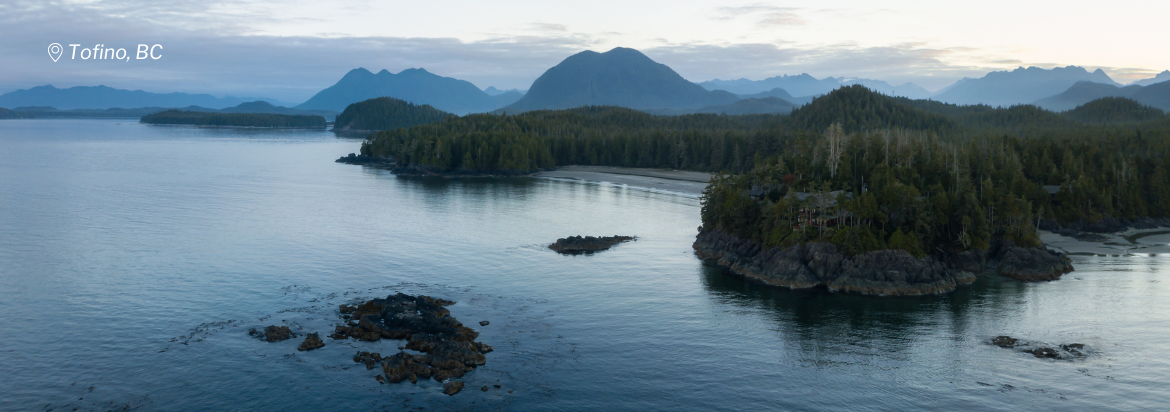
(133, 259)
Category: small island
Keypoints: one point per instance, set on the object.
(573, 245)
(385, 113)
(269, 120)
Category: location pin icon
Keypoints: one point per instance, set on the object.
(55, 51)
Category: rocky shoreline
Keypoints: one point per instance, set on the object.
(882, 272)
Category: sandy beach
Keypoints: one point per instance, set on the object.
(677, 181)
(1130, 242)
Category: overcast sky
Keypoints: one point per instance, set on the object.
(289, 50)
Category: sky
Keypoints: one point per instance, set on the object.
(289, 50)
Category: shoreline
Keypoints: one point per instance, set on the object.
(1130, 242)
(675, 181)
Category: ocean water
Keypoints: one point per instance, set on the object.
(134, 259)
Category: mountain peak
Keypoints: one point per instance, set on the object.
(619, 77)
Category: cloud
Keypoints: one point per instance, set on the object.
(766, 15)
(216, 58)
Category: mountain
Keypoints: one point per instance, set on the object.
(1161, 77)
(413, 85)
(775, 93)
(102, 97)
(1114, 110)
(1019, 86)
(619, 77)
(763, 105)
(798, 85)
(1155, 95)
(1083, 92)
(384, 113)
(493, 91)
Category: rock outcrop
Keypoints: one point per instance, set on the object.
(883, 272)
(312, 341)
(1032, 264)
(448, 348)
(273, 333)
(587, 244)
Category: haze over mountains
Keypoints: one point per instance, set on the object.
(1019, 86)
(417, 86)
(1155, 95)
(804, 85)
(625, 77)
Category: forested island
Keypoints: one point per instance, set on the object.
(386, 113)
(235, 119)
(855, 191)
(13, 114)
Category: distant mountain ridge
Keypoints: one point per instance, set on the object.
(804, 86)
(1019, 86)
(103, 97)
(619, 77)
(1155, 95)
(257, 107)
(1164, 76)
(417, 86)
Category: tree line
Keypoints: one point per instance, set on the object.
(923, 174)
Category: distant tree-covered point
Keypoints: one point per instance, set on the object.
(386, 113)
(12, 114)
(235, 119)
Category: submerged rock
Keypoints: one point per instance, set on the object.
(449, 349)
(451, 388)
(1004, 341)
(273, 333)
(368, 358)
(1066, 351)
(312, 341)
(587, 244)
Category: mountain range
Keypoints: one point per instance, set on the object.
(1155, 95)
(102, 97)
(1164, 76)
(619, 77)
(1019, 86)
(417, 86)
(136, 112)
(806, 87)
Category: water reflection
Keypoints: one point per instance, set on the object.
(815, 319)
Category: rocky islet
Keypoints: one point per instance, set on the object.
(447, 348)
(588, 244)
